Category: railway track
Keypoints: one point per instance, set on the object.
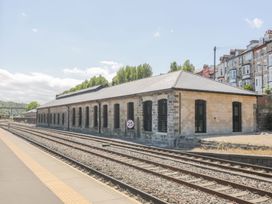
(215, 186)
(261, 171)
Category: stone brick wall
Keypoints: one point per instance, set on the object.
(180, 116)
(219, 112)
(264, 112)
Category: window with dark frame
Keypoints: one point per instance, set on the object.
(200, 116)
(51, 118)
(44, 119)
(116, 116)
(95, 116)
(58, 118)
(79, 117)
(87, 116)
(74, 117)
(130, 111)
(147, 115)
(105, 116)
(47, 117)
(62, 119)
(54, 118)
(162, 115)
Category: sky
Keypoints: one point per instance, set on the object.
(49, 46)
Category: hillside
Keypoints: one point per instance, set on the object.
(15, 112)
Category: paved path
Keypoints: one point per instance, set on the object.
(29, 175)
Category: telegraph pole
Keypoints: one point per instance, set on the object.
(214, 61)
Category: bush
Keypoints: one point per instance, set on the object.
(248, 87)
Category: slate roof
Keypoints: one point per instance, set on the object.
(174, 80)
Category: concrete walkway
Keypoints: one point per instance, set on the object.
(29, 175)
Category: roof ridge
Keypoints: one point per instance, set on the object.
(175, 83)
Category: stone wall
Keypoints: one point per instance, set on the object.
(219, 112)
(264, 112)
(180, 116)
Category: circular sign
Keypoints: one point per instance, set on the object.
(130, 124)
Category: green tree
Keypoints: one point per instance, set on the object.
(187, 66)
(248, 87)
(131, 73)
(32, 105)
(93, 81)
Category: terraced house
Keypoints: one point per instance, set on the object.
(158, 110)
(251, 66)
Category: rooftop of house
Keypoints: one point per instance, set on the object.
(180, 80)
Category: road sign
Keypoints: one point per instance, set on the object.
(130, 124)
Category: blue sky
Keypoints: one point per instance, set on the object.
(64, 40)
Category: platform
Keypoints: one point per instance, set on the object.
(29, 175)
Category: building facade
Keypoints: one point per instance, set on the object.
(248, 67)
(163, 109)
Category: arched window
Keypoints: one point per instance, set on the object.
(130, 111)
(237, 116)
(200, 116)
(62, 119)
(147, 115)
(58, 118)
(105, 116)
(95, 115)
(116, 115)
(162, 115)
(79, 117)
(50, 118)
(87, 117)
(54, 118)
(74, 117)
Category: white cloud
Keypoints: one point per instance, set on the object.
(107, 69)
(35, 30)
(25, 87)
(23, 14)
(171, 30)
(254, 23)
(156, 34)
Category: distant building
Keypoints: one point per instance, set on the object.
(250, 66)
(207, 71)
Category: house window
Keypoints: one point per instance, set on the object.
(105, 116)
(74, 117)
(147, 115)
(47, 118)
(79, 117)
(270, 60)
(58, 118)
(87, 121)
(54, 118)
(130, 111)
(95, 116)
(62, 119)
(116, 116)
(200, 116)
(162, 115)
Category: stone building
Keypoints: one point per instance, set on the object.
(163, 108)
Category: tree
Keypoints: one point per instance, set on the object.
(187, 66)
(131, 73)
(32, 105)
(248, 87)
(93, 81)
